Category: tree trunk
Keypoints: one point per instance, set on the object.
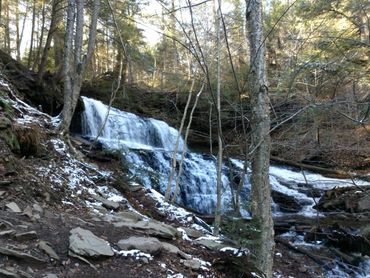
(41, 38)
(7, 27)
(30, 54)
(219, 125)
(55, 18)
(74, 62)
(260, 142)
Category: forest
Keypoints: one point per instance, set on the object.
(253, 115)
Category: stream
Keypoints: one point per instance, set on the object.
(147, 146)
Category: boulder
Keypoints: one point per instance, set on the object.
(106, 203)
(85, 243)
(149, 245)
(193, 264)
(286, 203)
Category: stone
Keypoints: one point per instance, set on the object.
(192, 232)
(50, 275)
(4, 122)
(13, 207)
(106, 203)
(5, 273)
(193, 264)
(285, 202)
(129, 215)
(152, 227)
(26, 236)
(170, 248)
(45, 246)
(210, 244)
(364, 203)
(28, 212)
(21, 255)
(85, 243)
(2, 193)
(37, 208)
(149, 245)
(7, 233)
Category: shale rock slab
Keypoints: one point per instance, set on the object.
(85, 243)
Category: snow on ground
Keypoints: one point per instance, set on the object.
(177, 213)
(137, 254)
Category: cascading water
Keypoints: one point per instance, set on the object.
(148, 144)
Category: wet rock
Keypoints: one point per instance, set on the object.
(286, 203)
(2, 193)
(149, 245)
(26, 236)
(193, 264)
(106, 203)
(21, 255)
(85, 243)
(13, 207)
(45, 246)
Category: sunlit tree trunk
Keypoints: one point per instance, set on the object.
(260, 142)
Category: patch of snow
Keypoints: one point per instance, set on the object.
(133, 253)
(236, 251)
(254, 274)
(210, 237)
(204, 264)
(178, 275)
(174, 212)
(184, 235)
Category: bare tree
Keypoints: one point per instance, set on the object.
(260, 141)
(56, 17)
(75, 61)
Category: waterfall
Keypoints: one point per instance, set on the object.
(147, 146)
